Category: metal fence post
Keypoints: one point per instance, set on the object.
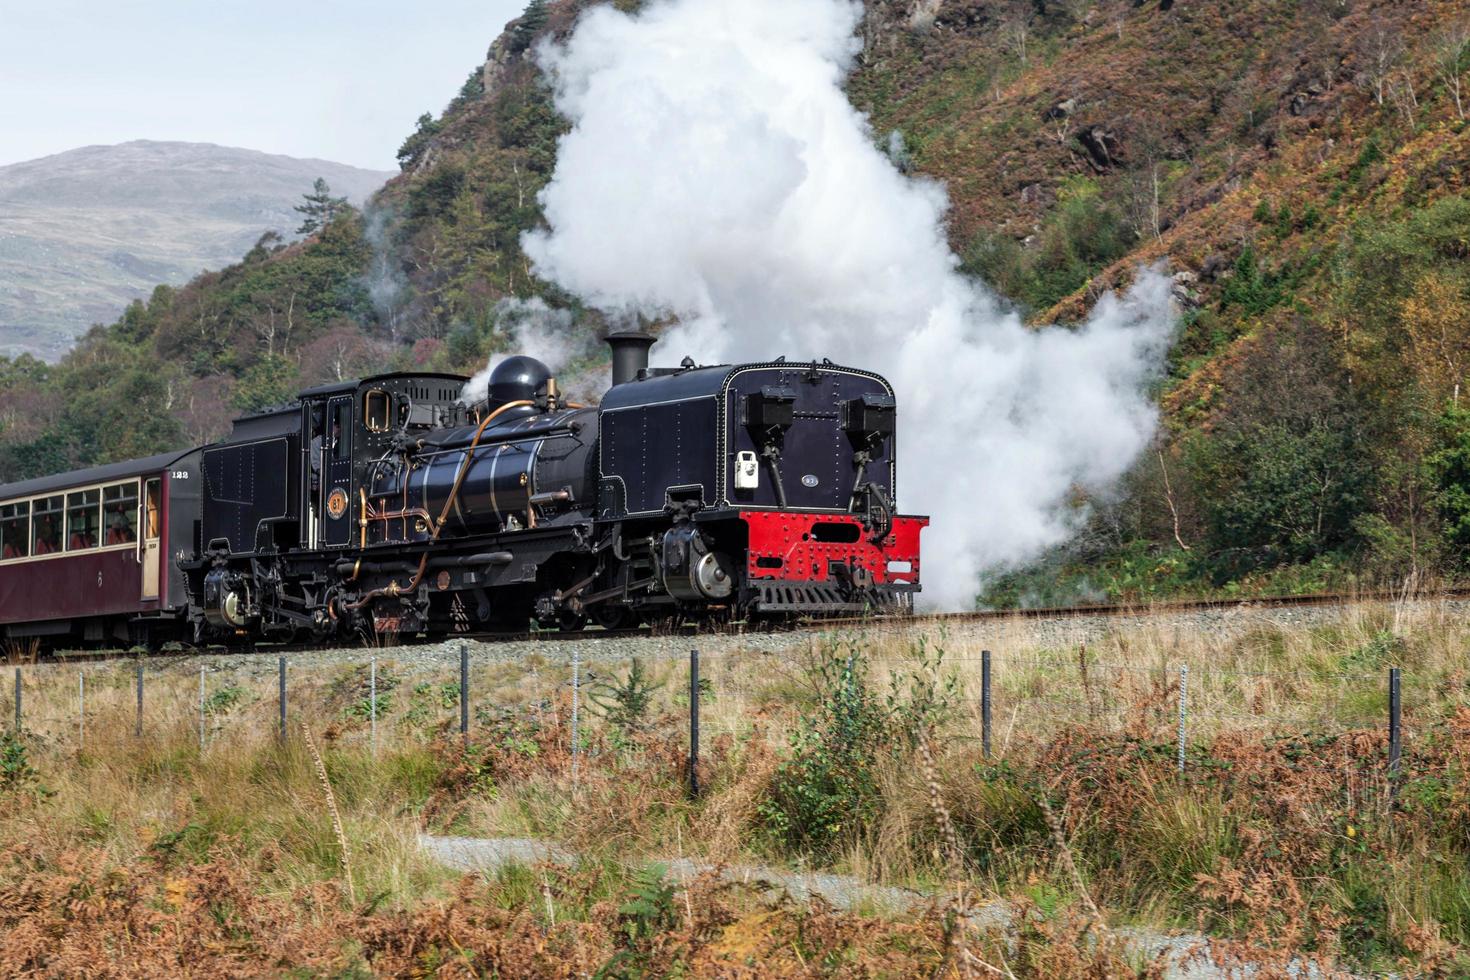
(1395, 731)
(373, 705)
(1183, 711)
(138, 728)
(694, 723)
(464, 691)
(281, 678)
(81, 710)
(201, 707)
(576, 691)
(985, 702)
(17, 700)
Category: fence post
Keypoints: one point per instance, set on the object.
(281, 677)
(464, 692)
(201, 707)
(1183, 711)
(1395, 731)
(985, 702)
(17, 700)
(138, 728)
(81, 710)
(576, 692)
(694, 724)
(373, 705)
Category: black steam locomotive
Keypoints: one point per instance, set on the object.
(389, 505)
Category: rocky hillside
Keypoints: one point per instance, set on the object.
(1299, 169)
(86, 232)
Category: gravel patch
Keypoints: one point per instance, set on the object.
(1060, 632)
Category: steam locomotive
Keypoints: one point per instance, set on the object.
(390, 506)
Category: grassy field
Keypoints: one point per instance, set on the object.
(1284, 833)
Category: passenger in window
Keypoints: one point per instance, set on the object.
(120, 532)
(48, 541)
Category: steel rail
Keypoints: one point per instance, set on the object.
(821, 625)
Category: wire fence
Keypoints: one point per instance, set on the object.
(999, 701)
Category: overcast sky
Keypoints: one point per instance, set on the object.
(311, 78)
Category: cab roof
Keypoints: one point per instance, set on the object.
(339, 387)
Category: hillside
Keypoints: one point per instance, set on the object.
(1298, 168)
(86, 232)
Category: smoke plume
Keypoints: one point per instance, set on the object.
(535, 329)
(716, 172)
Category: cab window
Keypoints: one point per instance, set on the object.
(83, 516)
(15, 530)
(46, 516)
(377, 410)
(120, 513)
(341, 417)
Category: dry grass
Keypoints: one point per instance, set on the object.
(1281, 832)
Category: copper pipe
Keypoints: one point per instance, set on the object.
(395, 515)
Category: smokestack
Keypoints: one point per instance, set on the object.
(629, 354)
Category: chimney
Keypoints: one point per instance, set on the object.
(629, 354)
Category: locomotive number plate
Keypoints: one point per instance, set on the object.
(337, 504)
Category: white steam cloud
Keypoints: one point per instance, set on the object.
(537, 330)
(716, 172)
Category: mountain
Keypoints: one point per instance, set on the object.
(1301, 170)
(85, 232)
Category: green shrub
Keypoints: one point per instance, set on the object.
(17, 775)
(625, 704)
(827, 790)
(222, 700)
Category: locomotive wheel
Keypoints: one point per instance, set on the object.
(569, 622)
(611, 616)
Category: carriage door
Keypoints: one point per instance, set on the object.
(152, 501)
(336, 504)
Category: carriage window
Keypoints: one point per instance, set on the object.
(152, 503)
(341, 416)
(120, 513)
(46, 526)
(15, 530)
(82, 519)
(377, 410)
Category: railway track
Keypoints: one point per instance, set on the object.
(1108, 610)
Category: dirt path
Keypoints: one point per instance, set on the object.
(1187, 955)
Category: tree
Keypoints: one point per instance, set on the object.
(317, 209)
(527, 27)
(1379, 50)
(1451, 58)
(1436, 317)
(1015, 27)
(418, 141)
(1285, 474)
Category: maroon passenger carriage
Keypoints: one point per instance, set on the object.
(91, 556)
